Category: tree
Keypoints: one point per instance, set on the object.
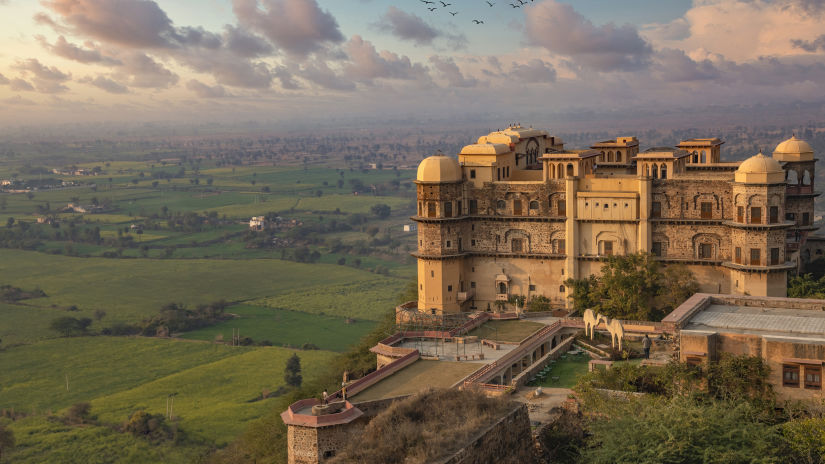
(629, 284)
(99, 314)
(517, 301)
(78, 413)
(292, 371)
(10, 222)
(381, 210)
(806, 286)
(584, 292)
(6, 440)
(633, 287)
(653, 429)
(677, 285)
(71, 325)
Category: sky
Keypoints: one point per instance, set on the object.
(64, 61)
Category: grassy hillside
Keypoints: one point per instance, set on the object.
(215, 385)
(40, 440)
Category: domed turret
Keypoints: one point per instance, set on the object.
(760, 169)
(793, 149)
(439, 169)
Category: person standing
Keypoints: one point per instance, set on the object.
(646, 346)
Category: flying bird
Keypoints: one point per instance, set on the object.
(478, 22)
(453, 13)
(433, 8)
(445, 4)
(515, 6)
(491, 4)
(427, 2)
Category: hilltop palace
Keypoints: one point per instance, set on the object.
(518, 214)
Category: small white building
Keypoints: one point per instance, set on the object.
(257, 223)
(409, 228)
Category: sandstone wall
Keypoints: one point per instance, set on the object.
(508, 441)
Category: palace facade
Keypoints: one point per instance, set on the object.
(518, 214)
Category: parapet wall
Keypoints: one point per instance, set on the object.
(508, 441)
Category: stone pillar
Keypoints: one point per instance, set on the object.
(645, 240)
(571, 234)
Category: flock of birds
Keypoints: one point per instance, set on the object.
(444, 5)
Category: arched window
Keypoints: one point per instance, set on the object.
(664, 171)
(793, 177)
(618, 156)
(647, 171)
(695, 156)
(704, 157)
(502, 288)
(500, 204)
(806, 178)
(534, 204)
(561, 288)
(610, 157)
(569, 169)
(655, 172)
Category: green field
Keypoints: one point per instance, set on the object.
(132, 289)
(284, 327)
(212, 257)
(214, 384)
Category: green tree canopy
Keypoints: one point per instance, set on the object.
(633, 287)
(292, 371)
(658, 430)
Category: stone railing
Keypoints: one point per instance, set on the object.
(518, 353)
(376, 376)
(293, 415)
(474, 322)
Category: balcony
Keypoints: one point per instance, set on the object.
(464, 296)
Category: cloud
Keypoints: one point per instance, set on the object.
(407, 26)
(3, 80)
(560, 29)
(450, 71)
(535, 71)
(49, 73)
(47, 79)
(21, 85)
(299, 27)
(18, 100)
(287, 80)
(106, 84)
(205, 91)
(318, 72)
(136, 23)
(743, 30)
(676, 66)
(367, 64)
(143, 71)
(70, 51)
(246, 44)
(810, 45)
